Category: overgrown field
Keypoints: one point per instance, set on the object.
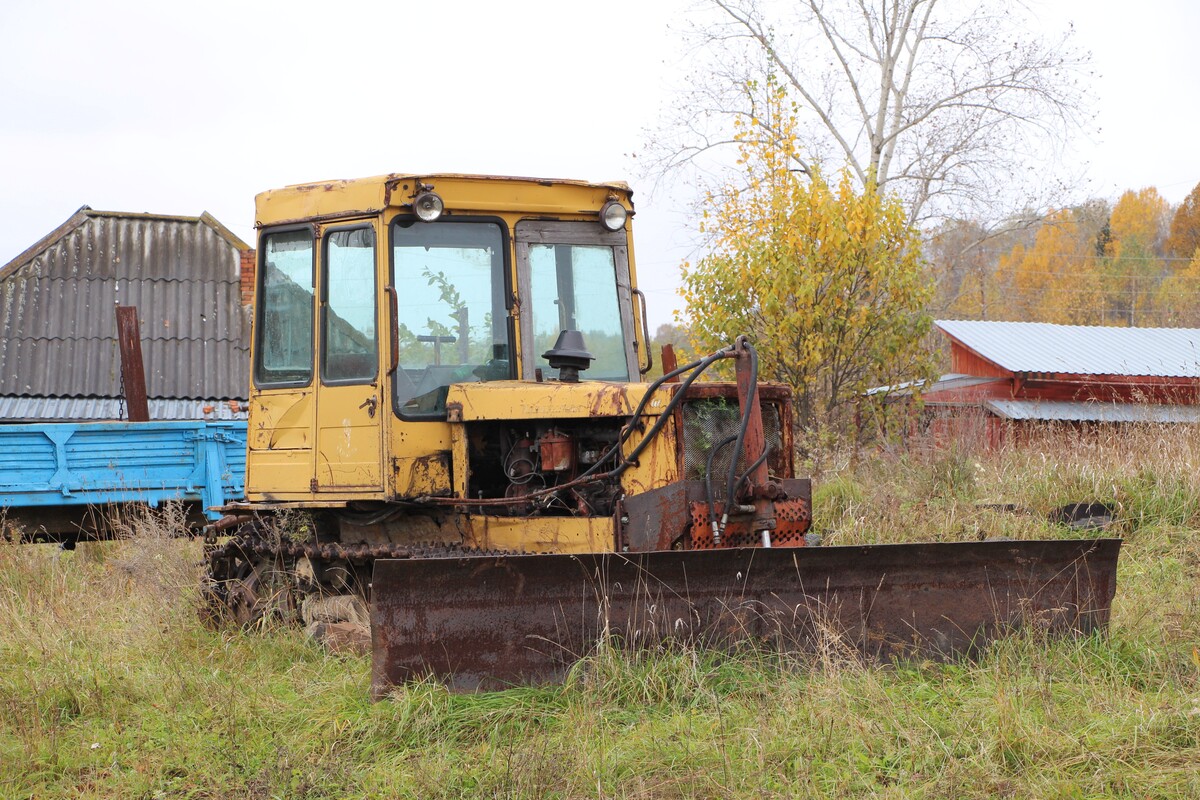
(109, 687)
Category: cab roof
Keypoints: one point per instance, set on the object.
(367, 196)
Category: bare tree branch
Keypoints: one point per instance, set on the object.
(943, 103)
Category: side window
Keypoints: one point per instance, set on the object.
(349, 345)
(284, 351)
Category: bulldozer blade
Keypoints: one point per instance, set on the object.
(488, 622)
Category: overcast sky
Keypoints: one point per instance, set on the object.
(179, 108)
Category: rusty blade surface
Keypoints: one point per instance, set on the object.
(490, 622)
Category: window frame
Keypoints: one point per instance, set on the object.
(573, 232)
(260, 299)
(509, 298)
(322, 295)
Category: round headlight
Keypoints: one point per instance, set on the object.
(613, 215)
(428, 206)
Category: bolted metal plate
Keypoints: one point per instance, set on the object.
(661, 519)
(487, 622)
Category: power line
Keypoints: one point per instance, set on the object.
(1086, 256)
(1082, 274)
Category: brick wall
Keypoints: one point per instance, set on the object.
(246, 274)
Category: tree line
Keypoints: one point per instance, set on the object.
(1135, 263)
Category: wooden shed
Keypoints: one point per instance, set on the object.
(1005, 374)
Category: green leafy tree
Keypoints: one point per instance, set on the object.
(828, 280)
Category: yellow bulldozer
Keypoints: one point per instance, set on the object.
(452, 438)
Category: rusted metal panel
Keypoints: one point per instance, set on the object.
(133, 372)
(774, 392)
(755, 443)
(658, 518)
(677, 516)
(792, 519)
(669, 364)
(490, 622)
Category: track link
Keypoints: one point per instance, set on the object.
(253, 574)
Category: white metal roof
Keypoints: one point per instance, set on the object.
(90, 409)
(949, 381)
(1080, 411)
(1081, 349)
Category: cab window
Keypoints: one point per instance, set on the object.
(575, 288)
(349, 348)
(451, 312)
(573, 275)
(284, 350)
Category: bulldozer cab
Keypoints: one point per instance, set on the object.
(374, 297)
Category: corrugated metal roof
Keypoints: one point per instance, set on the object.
(1079, 411)
(36, 409)
(182, 273)
(949, 381)
(1081, 349)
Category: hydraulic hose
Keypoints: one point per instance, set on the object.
(678, 398)
(708, 488)
(757, 462)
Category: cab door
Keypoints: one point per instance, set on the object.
(348, 429)
(283, 391)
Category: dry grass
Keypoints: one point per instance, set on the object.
(110, 688)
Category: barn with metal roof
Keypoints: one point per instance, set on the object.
(59, 353)
(1014, 372)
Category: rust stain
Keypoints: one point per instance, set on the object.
(430, 474)
(610, 401)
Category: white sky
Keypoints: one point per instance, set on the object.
(179, 108)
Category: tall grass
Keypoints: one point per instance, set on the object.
(109, 687)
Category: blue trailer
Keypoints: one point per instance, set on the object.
(58, 478)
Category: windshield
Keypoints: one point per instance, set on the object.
(453, 322)
(574, 287)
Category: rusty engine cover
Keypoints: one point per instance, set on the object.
(491, 622)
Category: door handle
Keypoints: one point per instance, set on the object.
(645, 334)
(393, 307)
(369, 404)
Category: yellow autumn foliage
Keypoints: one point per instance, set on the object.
(828, 280)
(1056, 278)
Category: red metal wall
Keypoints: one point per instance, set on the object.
(968, 362)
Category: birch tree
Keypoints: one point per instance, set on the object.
(950, 106)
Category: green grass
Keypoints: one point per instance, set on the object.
(109, 687)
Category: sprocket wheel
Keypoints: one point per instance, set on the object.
(245, 589)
